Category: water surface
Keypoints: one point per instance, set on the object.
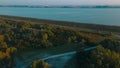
(106, 16)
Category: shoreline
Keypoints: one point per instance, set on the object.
(63, 6)
(96, 27)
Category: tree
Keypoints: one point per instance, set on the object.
(43, 64)
(34, 64)
(69, 40)
(46, 44)
(2, 55)
(45, 36)
(3, 45)
(1, 37)
(100, 58)
(11, 52)
(40, 64)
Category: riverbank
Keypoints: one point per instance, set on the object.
(95, 27)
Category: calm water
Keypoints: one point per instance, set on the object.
(109, 16)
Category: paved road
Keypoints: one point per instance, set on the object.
(68, 53)
(21, 64)
(59, 55)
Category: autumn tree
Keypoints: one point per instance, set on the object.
(40, 64)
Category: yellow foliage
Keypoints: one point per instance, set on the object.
(8, 52)
(2, 55)
(1, 37)
(45, 36)
(34, 64)
(3, 44)
(12, 50)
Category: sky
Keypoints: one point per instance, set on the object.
(59, 2)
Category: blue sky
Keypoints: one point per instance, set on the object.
(59, 2)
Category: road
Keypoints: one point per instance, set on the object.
(59, 55)
(68, 53)
(23, 64)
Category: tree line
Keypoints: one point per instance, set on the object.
(18, 35)
(106, 55)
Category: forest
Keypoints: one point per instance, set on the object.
(106, 55)
(17, 35)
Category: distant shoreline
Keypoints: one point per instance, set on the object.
(64, 6)
(96, 27)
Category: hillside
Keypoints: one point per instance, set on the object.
(19, 38)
